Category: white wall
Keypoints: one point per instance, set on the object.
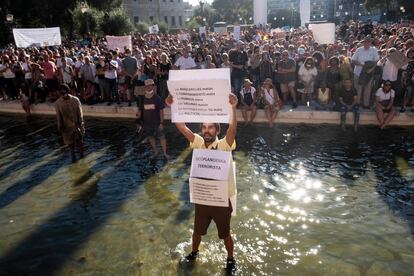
(260, 12)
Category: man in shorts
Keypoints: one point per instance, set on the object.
(203, 213)
(152, 114)
(287, 77)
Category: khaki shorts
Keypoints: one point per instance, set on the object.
(221, 216)
(284, 87)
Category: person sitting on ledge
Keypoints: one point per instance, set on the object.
(384, 100)
(271, 100)
(323, 99)
(348, 98)
(248, 99)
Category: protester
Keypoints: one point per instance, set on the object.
(287, 77)
(203, 213)
(248, 98)
(70, 120)
(348, 99)
(307, 75)
(152, 114)
(384, 104)
(271, 100)
(323, 100)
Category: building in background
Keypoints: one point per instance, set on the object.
(322, 10)
(173, 12)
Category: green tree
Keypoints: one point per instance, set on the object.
(142, 27)
(87, 19)
(105, 5)
(116, 22)
(232, 10)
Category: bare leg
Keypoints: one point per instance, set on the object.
(268, 115)
(229, 244)
(163, 143)
(153, 145)
(72, 152)
(292, 93)
(253, 114)
(274, 115)
(380, 116)
(196, 242)
(244, 113)
(388, 118)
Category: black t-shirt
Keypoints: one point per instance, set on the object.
(347, 96)
(151, 111)
(238, 58)
(164, 68)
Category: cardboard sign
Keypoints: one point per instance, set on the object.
(200, 95)
(323, 33)
(211, 164)
(120, 42)
(37, 37)
(236, 33)
(208, 192)
(398, 59)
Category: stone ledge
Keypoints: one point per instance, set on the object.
(302, 114)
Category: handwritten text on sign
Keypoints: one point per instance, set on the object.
(199, 101)
(209, 192)
(211, 164)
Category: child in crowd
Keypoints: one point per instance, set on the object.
(248, 99)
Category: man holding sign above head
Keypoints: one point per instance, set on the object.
(205, 213)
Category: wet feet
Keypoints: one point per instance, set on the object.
(189, 259)
(230, 266)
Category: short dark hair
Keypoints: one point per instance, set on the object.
(216, 125)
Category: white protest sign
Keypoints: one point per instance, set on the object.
(233, 184)
(153, 29)
(323, 33)
(212, 164)
(398, 59)
(200, 95)
(236, 32)
(209, 192)
(120, 42)
(202, 30)
(37, 37)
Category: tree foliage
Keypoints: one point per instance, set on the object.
(116, 22)
(232, 10)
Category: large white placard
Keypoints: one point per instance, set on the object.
(37, 37)
(323, 33)
(200, 95)
(120, 42)
(202, 30)
(236, 32)
(209, 192)
(211, 164)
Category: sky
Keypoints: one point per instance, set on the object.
(195, 2)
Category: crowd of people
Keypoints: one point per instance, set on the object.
(268, 69)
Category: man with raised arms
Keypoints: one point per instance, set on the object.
(203, 213)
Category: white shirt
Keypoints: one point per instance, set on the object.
(389, 71)
(78, 65)
(385, 96)
(69, 62)
(306, 75)
(361, 55)
(185, 63)
(269, 95)
(27, 75)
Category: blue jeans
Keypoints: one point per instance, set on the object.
(329, 106)
(237, 84)
(355, 110)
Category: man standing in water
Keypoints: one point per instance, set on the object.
(203, 213)
(70, 120)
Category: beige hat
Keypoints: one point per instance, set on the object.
(247, 81)
(268, 81)
(149, 82)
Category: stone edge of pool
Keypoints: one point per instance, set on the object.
(302, 114)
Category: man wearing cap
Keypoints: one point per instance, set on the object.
(152, 115)
(203, 213)
(70, 120)
(238, 60)
(365, 60)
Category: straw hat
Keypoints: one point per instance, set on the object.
(245, 81)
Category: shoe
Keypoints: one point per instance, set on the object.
(191, 257)
(294, 105)
(412, 109)
(109, 103)
(402, 110)
(118, 103)
(230, 265)
(129, 103)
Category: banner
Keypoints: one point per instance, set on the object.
(236, 32)
(323, 33)
(182, 37)
(120, 42)
(200, 95)
(153, 29)
(37, 37)
(212, 164)
(398, 59)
